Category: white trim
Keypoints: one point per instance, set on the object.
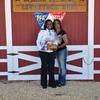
(3, 60)
(8, 21)
(37, 77)
(75, 56)
(24, 77)
(25, 48)
(3, 47)
(34, 48)
(74, 68)
(77, 47)
(96, 71)
(29, 68)
(97, 46)
(97, 59)
(85, 64)
(15, 63)
(91, 37)
(29, 57)
(75, 77)
(3, 73)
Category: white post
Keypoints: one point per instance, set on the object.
(8, 21)
(91, 38)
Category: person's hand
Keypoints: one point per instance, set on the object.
(52, 46)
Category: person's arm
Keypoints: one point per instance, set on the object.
(39, 41)
(65, 38)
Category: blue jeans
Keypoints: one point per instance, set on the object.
(61, 59)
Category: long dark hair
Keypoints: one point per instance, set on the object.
(59, 24)
(45, 25)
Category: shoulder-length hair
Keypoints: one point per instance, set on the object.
(59, 24)
(45, 25)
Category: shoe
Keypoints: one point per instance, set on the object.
(58, 84)
(44, 87)
(63, 84)
(53, 86)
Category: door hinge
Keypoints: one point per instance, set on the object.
(12, 54)
(13, 71)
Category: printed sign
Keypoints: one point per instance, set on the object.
(41, 17)
(49, 5)
(58, 15)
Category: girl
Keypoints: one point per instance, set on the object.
(47, 56)
(61, 53)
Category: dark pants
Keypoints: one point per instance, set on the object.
(47, 67)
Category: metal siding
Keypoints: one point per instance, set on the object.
(2, 24)
(3, 52)
(97, 39)
(76, 25)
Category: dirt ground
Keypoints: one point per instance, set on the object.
(31, 90)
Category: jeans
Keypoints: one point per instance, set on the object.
(61, 56)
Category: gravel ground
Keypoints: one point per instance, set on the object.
(31, 90)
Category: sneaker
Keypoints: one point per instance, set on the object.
(44, 87)
(58, 84)
(63, 84)
(53, 86)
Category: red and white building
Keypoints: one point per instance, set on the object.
(19, 58)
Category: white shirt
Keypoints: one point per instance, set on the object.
(45, 36)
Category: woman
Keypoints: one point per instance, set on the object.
(61, 52)
(47, 56)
